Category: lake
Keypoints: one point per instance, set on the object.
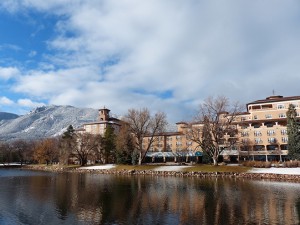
(29, 197)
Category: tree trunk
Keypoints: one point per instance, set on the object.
(140, 159)
(215, 159)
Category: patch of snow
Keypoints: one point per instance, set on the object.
(102, 167)
(294, 171)
(170, 168)
(10, 164)
(28, 129)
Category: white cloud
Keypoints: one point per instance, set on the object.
(32, 53)
(7, 73)
(127, 53)
(29, 103)
(10, 47)
(5, 101)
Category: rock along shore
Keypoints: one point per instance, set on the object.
(259, 176)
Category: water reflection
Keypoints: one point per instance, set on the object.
(102, 199)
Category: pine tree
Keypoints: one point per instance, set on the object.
(69, 133)
(125, 146)
(293, 130)
(66, 145)
(109, 144)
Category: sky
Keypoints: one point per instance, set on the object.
(166, 55)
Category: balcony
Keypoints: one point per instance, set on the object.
(230, 152)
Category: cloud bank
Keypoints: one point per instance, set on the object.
(166, 55)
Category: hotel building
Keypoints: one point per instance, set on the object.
(262, 133)
(263, 128)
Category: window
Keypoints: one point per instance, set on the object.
(280, 106)
(256, 125)
(282, 115)
(283, 132)
(257, 140)
(270, 132)
(285, 139)
(271, 140)
(257, 133)
(245, 134)
(268, 116)
(269, 124)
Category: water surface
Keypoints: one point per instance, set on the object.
(28, 197)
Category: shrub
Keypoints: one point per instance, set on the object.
(258, 164)
(291, 164)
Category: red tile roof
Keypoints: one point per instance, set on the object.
(277, 98)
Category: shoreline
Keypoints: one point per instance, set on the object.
(165, 173)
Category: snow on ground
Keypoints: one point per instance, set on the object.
(295, 171)
(10, 164)
(111, 166)
(102, 167)
(170, 168)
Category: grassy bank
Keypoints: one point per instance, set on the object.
(193, 168)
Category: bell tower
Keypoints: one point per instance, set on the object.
(103, 114)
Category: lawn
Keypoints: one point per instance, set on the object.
(193, 168)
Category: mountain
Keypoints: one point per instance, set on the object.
(45, 121)
(7, 116)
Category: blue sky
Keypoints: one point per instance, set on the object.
(165, 55)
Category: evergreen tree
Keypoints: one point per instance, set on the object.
(125, 146)
(293, 130)
(109, 144)
(69, 133)
(67, 144)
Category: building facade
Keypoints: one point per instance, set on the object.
(263, 128)
(262, 133)
(98, 127)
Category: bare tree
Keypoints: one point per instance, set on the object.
(6, 151)
(142, 125)
(213, 129)
(86, 146)
(23, 150)
(46, 150)
(246, 145)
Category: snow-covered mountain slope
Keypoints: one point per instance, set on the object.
(45, 121)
